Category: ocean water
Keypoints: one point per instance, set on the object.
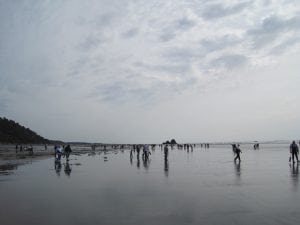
(203, 186)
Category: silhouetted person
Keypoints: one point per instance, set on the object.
(166, 152)
(30, 150)
(138, 149)
(294, 150)
(68, 151)
(58, 152)
(237, 152)
(233, 148)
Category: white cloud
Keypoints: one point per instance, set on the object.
(123, 56)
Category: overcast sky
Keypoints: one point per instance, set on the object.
(147, 71)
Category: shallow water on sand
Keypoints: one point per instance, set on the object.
(200, 187)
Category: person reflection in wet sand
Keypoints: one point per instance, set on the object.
(138, 162)
(146, 162)
(295, 175)
(166, 167)
(67, 168)
(131, 157)
(57, 166)
(237, 166)
(131, 153)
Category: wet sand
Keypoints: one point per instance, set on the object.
(200, 187)
(9, 158)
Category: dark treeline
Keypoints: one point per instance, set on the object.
(12, 132)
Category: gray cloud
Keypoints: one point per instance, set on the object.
(283, 46)
(219, 10)
(167, 35)
(184, 24)
(90, 43)
(175, 28)
(211, 45)
(130, 33)
(228, 61)
(271, 28)
(121, 92)
(105, 20)
(167, 68)
(186, 54)
(275, 24)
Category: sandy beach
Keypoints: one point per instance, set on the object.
(203, 186)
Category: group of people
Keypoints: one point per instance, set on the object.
(137, 149)
(60, 151)
(22, 148)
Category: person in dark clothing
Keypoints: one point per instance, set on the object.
(237, 152)
(138, 151)
(294, 150)
(166, 151)
(68, 151)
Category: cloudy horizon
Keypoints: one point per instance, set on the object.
(147, 71)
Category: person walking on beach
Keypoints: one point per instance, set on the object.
(237, 152)
(166, 152)
(138, 151)
(68, 151)
(294, 150)
(146, 152)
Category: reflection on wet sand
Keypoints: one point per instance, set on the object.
(166, 167)
(138, 162)
(58, 167)
(68, 169)
(115, 192)
(7, 169)
(237, 168)
(294, 167)
(146, 163)
(131, 158)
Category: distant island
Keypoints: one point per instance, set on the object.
(12, 132)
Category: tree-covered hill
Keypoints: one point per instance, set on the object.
(12, 132)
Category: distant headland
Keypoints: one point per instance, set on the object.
(13, 132)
